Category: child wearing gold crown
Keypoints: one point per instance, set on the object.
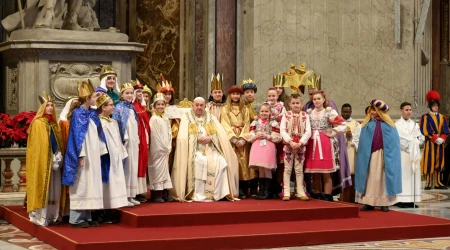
(144, 139)
(114, 192)
(216, 98)
(161, 146)
(249, 87)
(108, 83)
(295, 129)
(171, 112)
(236, 123)
(86, 163)
(264, 133)
(378, 174)
(127, 119)
(44, 205)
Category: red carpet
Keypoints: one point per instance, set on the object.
(200, 226)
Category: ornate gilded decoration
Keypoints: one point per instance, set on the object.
(210, 129)
(193, 129)
(185, 104)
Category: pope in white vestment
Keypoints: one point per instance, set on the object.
(205, 166)
(410, 140)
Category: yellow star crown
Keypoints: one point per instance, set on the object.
(107, 70)
(297, 77)
(45, 98)
(101, 100)
(216, 82)
(85, 88)
(125, 86)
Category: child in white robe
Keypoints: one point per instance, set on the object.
(160, 147)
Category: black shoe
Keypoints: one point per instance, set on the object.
(384, 209)
(367, 208)
(254, 187)
(427, 188)
(80, 225)
(93, 223)
(241, 194)
(441, 187)
(328, 197)
(157, 200)
(141, 198)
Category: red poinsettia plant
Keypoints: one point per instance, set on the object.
(15, 129)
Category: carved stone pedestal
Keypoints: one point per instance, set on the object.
(33, 64)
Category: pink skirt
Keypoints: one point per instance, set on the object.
(321, 155)
(263, 156)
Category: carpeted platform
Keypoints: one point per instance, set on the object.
(244, 211)
(207, 234)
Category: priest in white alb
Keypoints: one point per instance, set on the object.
(205, 165)
(410, 140)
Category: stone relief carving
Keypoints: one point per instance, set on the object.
(65, 76)
(12, 91)
(55, 14)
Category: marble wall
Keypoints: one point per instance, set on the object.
(350, 43)
(158, 26)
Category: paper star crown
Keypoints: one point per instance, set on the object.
(45, 98)
(249, 84)
(147, 90)
(164, 86)
(158, 97)
(125, 86)
(216, 82)
(107, 70)
(101, 100)
(137, 84)
(85, 88)
(279, 79)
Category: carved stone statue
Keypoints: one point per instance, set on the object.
(55, 14)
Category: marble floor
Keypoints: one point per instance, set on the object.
(435, 203)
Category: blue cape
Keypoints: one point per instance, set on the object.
(392, 160)
(121, 113)
(79, 124)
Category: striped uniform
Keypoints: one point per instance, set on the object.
(433, 127)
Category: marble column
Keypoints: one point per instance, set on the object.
(226, 41)
(436, 49)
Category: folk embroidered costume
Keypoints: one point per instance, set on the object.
(206, 167)
(217, 98)
(108, 83)
(277, 111)
(44, 161)
(115, 191)
(342, 178)
(128, 122)
(295, 130)
(322, 152)
(86, 163)
(264, 133)
(410, 141)
(378, 176)
(434, 127)
(235, 122)
(144, 139)
(161, 146)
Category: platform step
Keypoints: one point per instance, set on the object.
(370, 226)
(226, 212)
